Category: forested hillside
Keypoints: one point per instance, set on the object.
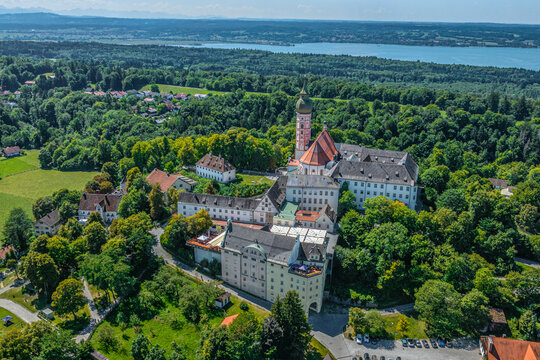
(345, 69)
(44, 26)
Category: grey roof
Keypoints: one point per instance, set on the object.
(51, 219)
(215, 162)
(276, 247)
(218, 201)
(313, 181)
(277, 192)
(371, 171)
(363, 154)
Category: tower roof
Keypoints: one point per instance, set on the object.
(321, 151)
(304, 105)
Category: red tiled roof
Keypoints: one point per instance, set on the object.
(12, 150)
(321, 151)
(223, 223)
(214, 162)
(107, 201)
(228, 320)
(510, 349)
(304, 215)
(162, 178)
(4, 251)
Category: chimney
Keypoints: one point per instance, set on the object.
(325, 125)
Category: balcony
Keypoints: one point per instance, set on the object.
(305, 270)
(209, 242)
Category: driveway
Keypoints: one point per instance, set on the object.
(26, 315)
(328, 329)
(462, 350)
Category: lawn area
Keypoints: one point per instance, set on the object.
(173, 89)
(23, 188)
(417, 328)
(26, 297)
(19, 164)
(16, 322)
(254, 179)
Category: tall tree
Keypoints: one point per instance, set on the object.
(18, 230)
(69, 297)
(157, 203)
(41, 271)
(96, 237)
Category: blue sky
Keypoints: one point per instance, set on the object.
(507, 11)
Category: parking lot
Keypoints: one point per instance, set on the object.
(461, 350)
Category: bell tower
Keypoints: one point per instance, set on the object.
(303, 124)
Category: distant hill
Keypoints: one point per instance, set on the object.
(48, 26)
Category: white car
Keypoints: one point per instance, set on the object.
(366, 338)
(359, 339)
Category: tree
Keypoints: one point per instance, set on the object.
(41, 271)
(25, 343)
(177, 352)
(96, 237)
(140, 347)
(528, 325)
(486, 283)
(402, 324)
(18, 230)
(157, 204)
(272, 336)
(58, 345)
(438, 303)
(67, 211)
(475, 310)
(357, 320)
(95, 217)
(42, 207)
(296, 331)
(215, 346)
(71, 230)
(453, 199)
(113, 171)
(529, 218)
(375, 323)
(69, 297)
(13, 265)
(154, 88)
(156, 353)
(347, 202)
(244, 337)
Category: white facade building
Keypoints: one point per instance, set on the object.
(312, 193)
(104, 204)
(215, 168)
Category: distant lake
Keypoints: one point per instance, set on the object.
(481, 56)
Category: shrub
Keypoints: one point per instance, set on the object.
(244, 306)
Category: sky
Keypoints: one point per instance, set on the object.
(501, 11)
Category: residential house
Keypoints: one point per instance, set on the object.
(216, 168)
(166, 181)
(12, 151)
(49, 224)
(105, 204)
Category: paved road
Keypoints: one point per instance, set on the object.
(15, 284)
(19, 310)
(530, 263)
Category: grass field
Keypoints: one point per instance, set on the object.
(416, 330)
(183, 90)
(23, 183)
(17, 323)
(254, 179)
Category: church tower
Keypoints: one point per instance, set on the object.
(303, 124)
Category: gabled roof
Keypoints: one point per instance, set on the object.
(109, 202)
(497, 348)
(215, 162)
(321, 151)
(51, 219)
(162, 178)
(373, 171)
(277, 192)
(12, 150)
(498, 182)
(310, 181)
(230, 202)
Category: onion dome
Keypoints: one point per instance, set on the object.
(304, 105)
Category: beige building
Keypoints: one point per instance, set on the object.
(49, 224)
(268, 265)
(215, 167)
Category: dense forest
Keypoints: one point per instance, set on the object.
(44, 26)
(459, 246)
(398, 74)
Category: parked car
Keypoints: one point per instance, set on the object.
(425, 343)
(398, 358)
(410, 342)
(448, 343)
(374, 341)
(374, 357)
(440, 342)
(433, 343)
(366, 356)
(366, 338)
(404, 342)
(417, 343)
(359, 338)
(382, 357)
